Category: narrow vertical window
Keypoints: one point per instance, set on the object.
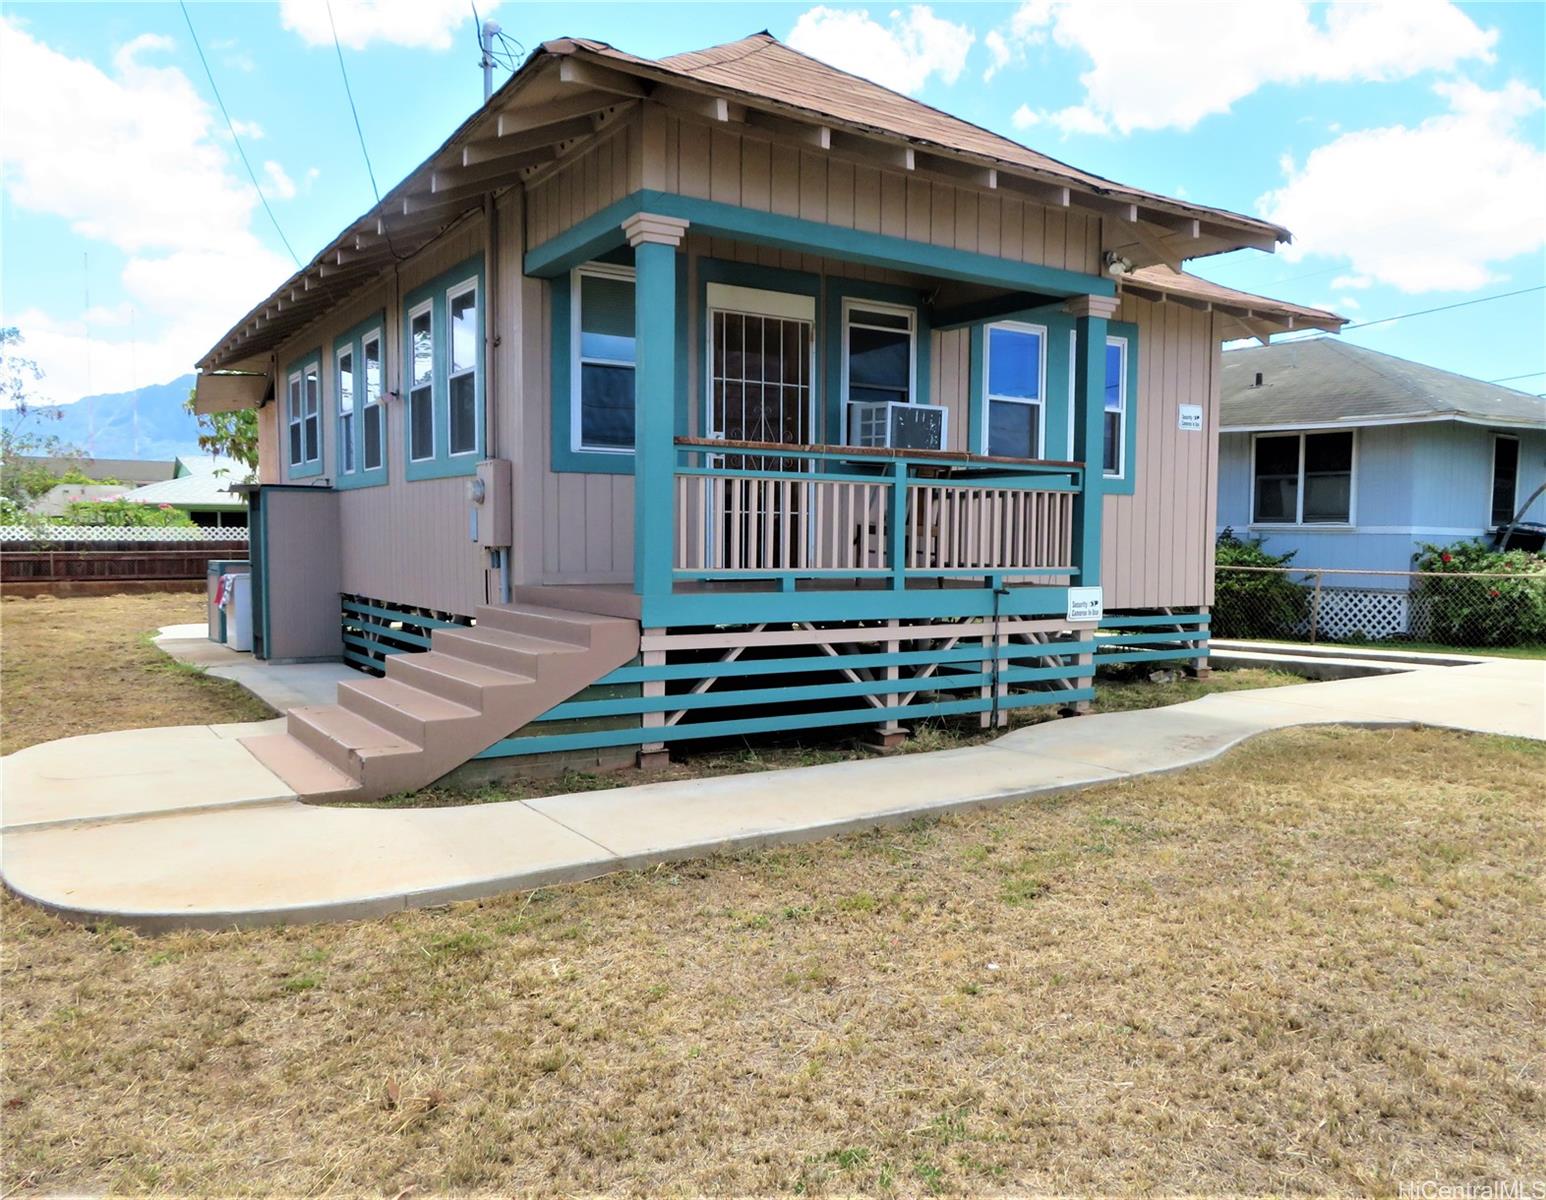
(346, 412)
(370, 413)
(463, 375)
(295, 416)
(1328, 479)
(421, 386)
(313, 421)
(1505, 479)
(1114, 449)
(604, 359)
(1014, 374)
(878, 356)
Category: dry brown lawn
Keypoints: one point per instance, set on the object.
(85, 665)
(1315, 965)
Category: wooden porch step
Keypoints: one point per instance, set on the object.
(460, 679)
(401, 708)
(519, 653)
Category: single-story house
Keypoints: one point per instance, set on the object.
(200, 487)
(723, 395)
(1352, 459)
(94, 479)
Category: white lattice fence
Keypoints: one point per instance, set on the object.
(126, 533)
(1363, 613)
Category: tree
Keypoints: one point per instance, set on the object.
(22, 439)
(231, 434)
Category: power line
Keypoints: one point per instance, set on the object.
(210, 75)
(1423, 312)
(1511, 378)
(359, 132)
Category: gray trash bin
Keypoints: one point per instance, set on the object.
(238, 625)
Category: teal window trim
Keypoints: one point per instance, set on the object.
(566, 456)
(602, 232)
(1124, 483)
(767, 279)
(353, 342)
(306, 467)
(437, 294)
(839, 291)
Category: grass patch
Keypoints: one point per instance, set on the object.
(1525, 651)
(1315, 965)
(1118, 689)
(86, 665)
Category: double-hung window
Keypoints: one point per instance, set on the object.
(304, 417)
(1114, 448)
(462, 377)
(1303, 479)
(371, 416)
(879, 354)
(344, 364)
(421, 383)
(604, 359)
(1505, 478)
(1015, 373)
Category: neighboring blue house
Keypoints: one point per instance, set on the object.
(1353, 459)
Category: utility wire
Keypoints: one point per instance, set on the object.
(1423, 312)
(359, 130)
(1511, 378)
(252, 175)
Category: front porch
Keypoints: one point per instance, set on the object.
(752, 499)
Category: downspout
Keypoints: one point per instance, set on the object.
(500, 556)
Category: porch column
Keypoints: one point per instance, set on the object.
(1091, 313)
(656, 388)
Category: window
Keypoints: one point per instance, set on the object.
(370, 415)
(304, 417)
(1303, 479)
(602, 338)
(1505, 478)
(1015, 371)
(462, 385)
(878, 353)
(421, 385)
(345, 364)
(1114, 450)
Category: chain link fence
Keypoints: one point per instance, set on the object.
(1441, 608)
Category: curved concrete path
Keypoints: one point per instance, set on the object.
(180, 828)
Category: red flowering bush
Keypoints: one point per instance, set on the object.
(1457, 608)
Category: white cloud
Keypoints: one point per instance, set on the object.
(1345, 304)
(280, 186)
(999, 50)
(1078, 118)
(426, 24)
(1025, 117)
(132, 157)
(81, 358)
(1217, 54)
(250, 130)
(1342, 282)
(902, 55)
(1425, 208)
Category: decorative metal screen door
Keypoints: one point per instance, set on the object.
(760, 365)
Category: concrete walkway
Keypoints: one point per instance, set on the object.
(178, 828)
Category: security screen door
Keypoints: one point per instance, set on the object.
(760, 368)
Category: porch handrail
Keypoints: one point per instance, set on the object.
(881, 455)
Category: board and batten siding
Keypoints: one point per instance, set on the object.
(1157, 544)
(403, 541)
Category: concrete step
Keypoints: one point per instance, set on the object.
(616, 600)
(348, 741)
(520, 653)
(304, 771)
(1420, 658)
(554, 624)
(455, 678)
(402, 708)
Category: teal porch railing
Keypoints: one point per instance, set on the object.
(750, 511)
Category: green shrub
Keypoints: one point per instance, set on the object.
(1458, 611)
(122, 513)
(1255, 604)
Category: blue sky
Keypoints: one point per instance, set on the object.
(1405, 144)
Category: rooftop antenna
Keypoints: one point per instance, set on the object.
(486, 36)
(91, 403)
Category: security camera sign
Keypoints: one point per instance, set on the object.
(1086, 604)
(1189, 418)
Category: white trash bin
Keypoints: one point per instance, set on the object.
(238, 624)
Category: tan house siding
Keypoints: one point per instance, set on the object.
(1157, 543)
